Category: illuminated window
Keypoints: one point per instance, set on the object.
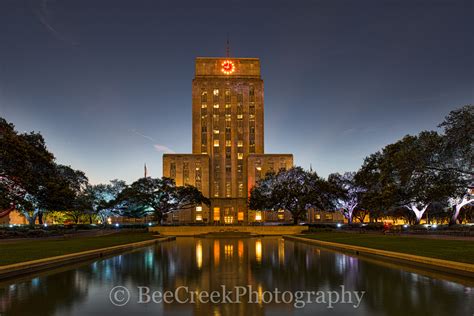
(240, 156)
(216, 143)
(198, 178)
(216, 131)
(240, 143)
(258, 216)
(227, 96)
(317, 217)
(228, 143)
(203, 96)
(240, 216)
(241, 189)
(329, 216)
(216, 92)
(216, 105)
(217, 214)
(198, 208)
(204, 105)
(240, 116)
(198, 217)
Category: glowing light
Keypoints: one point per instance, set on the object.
(217, 251)
(405, 226)
(149, 224)
(228, 67)
(109, 220)
(240, 249)
(198, 217)
(258, 216)
(45, 225)
(198, 208)
(339, 225)
(229, 251)
(199, 254)
(117, 225)
(10, 226)
(258, 250)
(434, 226)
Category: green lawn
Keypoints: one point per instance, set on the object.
(454, 250)
(20, 251)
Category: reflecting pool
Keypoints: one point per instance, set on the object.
(260, 265)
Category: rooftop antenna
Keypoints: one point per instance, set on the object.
(227, 48)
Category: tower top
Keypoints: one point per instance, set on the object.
(227, 48)
(227, 67)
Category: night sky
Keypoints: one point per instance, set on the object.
(108, 83)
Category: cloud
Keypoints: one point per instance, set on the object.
(164, 149)
(158, 147)
(44, 16)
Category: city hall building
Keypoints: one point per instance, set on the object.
(228, 154)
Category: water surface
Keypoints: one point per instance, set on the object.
(265, 264)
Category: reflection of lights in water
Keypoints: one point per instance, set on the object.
(258, 250)
(281, 250)
(35, 282)
(260, 294)
(199, 254)
(217, 250)
(228, 251)
(149, 259)
(241, 249)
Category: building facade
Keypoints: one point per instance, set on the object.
(228, 141)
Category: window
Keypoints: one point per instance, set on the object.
(198, 208)
(216, 130)
(252, 94)
(173, 170)
(240, 156)
(216, 189)
(258, 216)
(317, 217)
(240, 216)
(227, 96)
(198, 217)
(227, 189)
(203, 96)
(198, 178)
(217, 214)
(216, 92)
(216, 143)
(240, 143)
(241, 189)
(186, 172)
(216, 105)
(328, 216)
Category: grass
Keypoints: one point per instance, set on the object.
(21, 251)
(454, 250)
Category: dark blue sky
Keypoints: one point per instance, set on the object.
(105, 81)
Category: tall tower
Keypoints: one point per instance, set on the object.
(227, 137)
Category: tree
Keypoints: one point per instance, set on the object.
(351, 193)
(158, 196)
(458, 155)
(294, 190)
(402, 174)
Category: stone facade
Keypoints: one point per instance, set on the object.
(227, 140)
